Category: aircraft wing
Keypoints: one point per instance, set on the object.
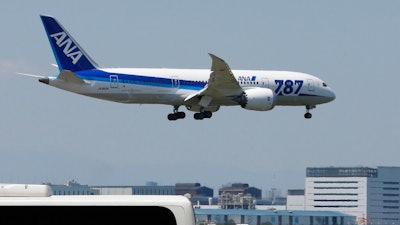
(221, 84)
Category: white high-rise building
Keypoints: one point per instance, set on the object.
(370, 194)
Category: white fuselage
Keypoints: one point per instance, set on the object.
(173, 86)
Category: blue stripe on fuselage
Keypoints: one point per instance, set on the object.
(99, 75)
(300, 94)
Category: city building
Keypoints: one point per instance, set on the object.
(271, 217)
(150, 188)
(295, 199)
(72, 188)
(236, 201)
(241, 188)
(332, 196)
(193, 189)
(370, 194)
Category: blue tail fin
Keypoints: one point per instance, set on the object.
(68, 53)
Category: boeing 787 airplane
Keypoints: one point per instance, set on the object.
(202, 91)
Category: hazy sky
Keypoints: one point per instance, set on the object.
(50, 135)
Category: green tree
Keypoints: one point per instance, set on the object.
(231, 222)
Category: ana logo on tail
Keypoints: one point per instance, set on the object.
(62, 39)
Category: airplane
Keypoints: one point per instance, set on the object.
(202, 91)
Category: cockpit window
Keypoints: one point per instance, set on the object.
(324, 84)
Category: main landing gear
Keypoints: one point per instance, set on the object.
(308, 115)
(202, 115)
(176, 114)
(180, 115)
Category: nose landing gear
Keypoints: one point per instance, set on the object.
(308, 115)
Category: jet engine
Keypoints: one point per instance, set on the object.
(259, 99)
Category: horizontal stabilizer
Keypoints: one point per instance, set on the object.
(70, 77)
(31, 75)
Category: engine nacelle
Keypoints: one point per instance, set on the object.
(259, 99)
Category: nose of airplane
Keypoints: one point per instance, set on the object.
(330, 95)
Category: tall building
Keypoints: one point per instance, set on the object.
(193, 189)
(370, 194)
(241, 188)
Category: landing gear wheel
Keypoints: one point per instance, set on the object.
(198, 116)
(308, 114)
(172, 116)
(176, 114)
(181, 115)
(207, 114)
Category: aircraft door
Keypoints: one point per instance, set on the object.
(310, 85)
(175, 82)
(113, 81)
